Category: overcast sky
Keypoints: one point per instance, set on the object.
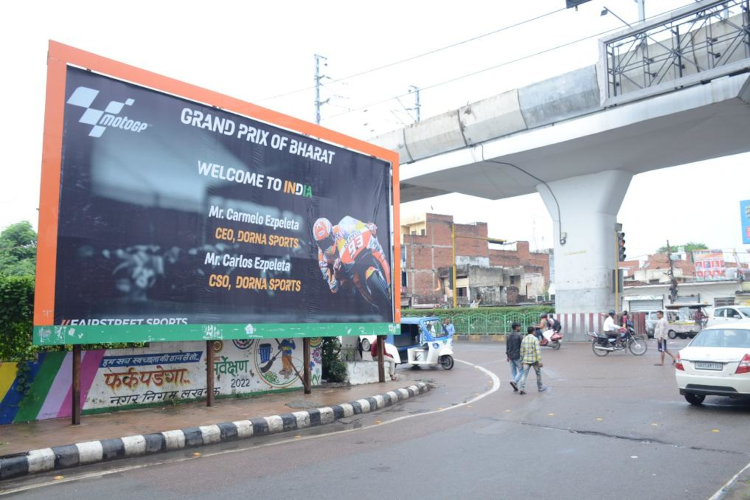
(257, 50)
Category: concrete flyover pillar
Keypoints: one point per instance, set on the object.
(588, 206)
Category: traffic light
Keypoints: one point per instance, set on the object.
(569, 4)
(621, 246)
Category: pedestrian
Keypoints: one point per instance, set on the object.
(699, 319)
(531, 356)
(660, 334)
(513, 354)
(448, 326)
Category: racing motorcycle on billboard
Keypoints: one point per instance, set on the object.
(362, 262)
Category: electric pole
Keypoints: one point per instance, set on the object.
(417, 106)
(641, 10)
(672, 279)
(318, 78)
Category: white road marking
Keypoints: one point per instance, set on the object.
(494, 388)
(722, 491)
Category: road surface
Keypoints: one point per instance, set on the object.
(612, 427)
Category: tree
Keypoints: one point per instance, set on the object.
(18, 250)
(16, 312)
(689, 247)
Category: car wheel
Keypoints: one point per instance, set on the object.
(695, 399)
(672, 334)
(366, 345)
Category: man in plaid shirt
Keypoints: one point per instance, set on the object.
(531, 355)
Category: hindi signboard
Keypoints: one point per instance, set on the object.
(709, 265)
(169, 212)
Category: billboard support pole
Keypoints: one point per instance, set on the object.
(209, 373)
(306, 359)
(77, 384)
(381, 363)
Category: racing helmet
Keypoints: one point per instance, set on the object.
(323, 233)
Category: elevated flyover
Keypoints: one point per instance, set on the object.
(670, 91)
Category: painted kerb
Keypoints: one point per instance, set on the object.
(74, 455)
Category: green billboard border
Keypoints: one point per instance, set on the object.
(109, 334)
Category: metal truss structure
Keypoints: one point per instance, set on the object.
(689, 46)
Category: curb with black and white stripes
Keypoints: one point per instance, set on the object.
(91, 452)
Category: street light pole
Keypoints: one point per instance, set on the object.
(453, 276)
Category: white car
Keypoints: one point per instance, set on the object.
(366, 341)
(715, 363)
(729, 315)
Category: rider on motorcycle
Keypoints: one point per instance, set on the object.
(610, 326)
(542, 327)
(331, 241)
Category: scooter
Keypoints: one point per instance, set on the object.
(551, 339)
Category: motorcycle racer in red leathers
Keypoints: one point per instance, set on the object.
(340, 250)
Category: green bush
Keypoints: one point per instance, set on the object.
(17, 320)
(16, 317)
(334, 370)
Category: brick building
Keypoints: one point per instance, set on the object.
(498, 275)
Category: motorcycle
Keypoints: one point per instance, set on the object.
(363, 263)
(602, 345)
(551, 339)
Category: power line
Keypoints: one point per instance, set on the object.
(412, 58)
(484, 70)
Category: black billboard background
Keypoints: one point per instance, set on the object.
(134, 230)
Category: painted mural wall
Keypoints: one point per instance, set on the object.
(163, 373)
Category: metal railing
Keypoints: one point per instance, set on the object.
(487, 324)
(701, 42)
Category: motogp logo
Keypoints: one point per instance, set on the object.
(83, 97)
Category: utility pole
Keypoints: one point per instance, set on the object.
(318, 78)
(672, 279)
(641, 10)
(619, 257)
(453, 274)
(417, 106)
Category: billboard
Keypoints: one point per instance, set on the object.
(745, 218)
(169, 212)
(709, 265)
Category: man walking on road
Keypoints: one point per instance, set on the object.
(660, 334)
(513, 354)
(531, 355)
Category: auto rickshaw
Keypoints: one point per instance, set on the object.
(424, 342)
(681, 319)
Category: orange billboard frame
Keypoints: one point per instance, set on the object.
(60, 56)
